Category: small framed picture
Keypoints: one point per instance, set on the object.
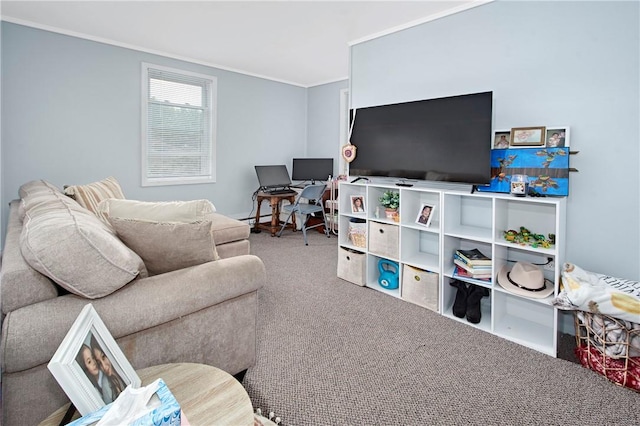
(528, 136)
(501, 139)
(90, 366)
(357, 204)
(425, 214)
(557, 137)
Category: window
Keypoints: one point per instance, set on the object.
(178, 126)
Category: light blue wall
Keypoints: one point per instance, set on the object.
(323, 132)
(547, 63)
(71, 115)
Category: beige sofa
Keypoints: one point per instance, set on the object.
(204, 313)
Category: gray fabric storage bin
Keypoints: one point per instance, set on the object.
(420, 287)
(351, 266)
(383, 239)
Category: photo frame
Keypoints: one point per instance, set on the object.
(501, 139)
(425, 214)
(528, 136)
(357, 204)
(88, 337)
(557, 137)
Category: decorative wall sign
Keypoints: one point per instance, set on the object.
(547, 170)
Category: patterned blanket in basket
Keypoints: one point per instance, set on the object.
(588, 291)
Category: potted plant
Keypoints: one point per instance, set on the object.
(390, 200)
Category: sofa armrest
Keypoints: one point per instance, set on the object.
(31, 335)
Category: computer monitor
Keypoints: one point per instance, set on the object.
(273, 176)
(312, 169)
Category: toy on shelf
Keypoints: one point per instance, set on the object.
(526, 237)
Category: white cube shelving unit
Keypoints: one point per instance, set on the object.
(465, 220)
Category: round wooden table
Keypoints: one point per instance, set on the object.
(207, 395)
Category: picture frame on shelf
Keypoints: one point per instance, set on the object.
(501, 139)
(557, 137)
(528, 136)
(357, 204)
(425, 214)
(89, 365)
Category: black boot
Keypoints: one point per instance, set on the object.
(460, 304)
(476, 293)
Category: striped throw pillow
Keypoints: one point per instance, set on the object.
(90, 195)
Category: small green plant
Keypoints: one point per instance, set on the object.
(390, 199)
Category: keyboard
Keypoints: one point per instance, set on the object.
(281, 191)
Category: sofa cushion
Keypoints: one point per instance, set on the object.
(74, 248)
(167, 246)
(21, 284)
(164, 211)
(90, 195)
(226, 229)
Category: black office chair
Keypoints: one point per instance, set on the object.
(312, 194)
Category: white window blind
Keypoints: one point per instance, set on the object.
(178, 126)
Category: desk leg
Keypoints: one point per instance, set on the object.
(275, 215)
(256, 225)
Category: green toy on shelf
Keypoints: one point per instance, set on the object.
(526, 237)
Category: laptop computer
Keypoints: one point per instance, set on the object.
(274, 179)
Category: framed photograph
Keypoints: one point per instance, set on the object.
(357, 204)
(557, 137)
(528, 136)
(90, 366)
(425, 214)
(501, 139)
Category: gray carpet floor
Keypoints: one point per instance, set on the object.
(333, 353)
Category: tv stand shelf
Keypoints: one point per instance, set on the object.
(462, 219)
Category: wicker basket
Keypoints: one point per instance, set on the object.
(610, 347)
(358, 234)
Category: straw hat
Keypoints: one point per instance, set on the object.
(526, 280)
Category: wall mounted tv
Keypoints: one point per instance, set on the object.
(443, 139)
(312, 169)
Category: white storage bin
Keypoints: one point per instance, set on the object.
(351, 266)
(383, 239)
(420, 287)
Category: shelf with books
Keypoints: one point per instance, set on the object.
(453, 245)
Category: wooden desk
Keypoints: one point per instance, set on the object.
(207, 395)
(275, 200)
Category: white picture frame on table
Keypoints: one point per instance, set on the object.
(85, 393)
(425, 214)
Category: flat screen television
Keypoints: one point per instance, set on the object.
(443, 139)
(312, 169)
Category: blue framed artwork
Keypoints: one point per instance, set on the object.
(547, 169)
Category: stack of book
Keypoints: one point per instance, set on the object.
(472, 264)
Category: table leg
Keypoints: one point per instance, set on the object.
(256, 225)
(275, 215)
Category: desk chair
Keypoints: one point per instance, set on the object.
(310, 192)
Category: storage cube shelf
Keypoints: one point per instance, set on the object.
(461, 220)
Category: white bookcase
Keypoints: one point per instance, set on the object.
(462, 220)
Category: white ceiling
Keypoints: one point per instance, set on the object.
(305, 43)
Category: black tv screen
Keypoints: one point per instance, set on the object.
(312, 169)
(444, 139)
